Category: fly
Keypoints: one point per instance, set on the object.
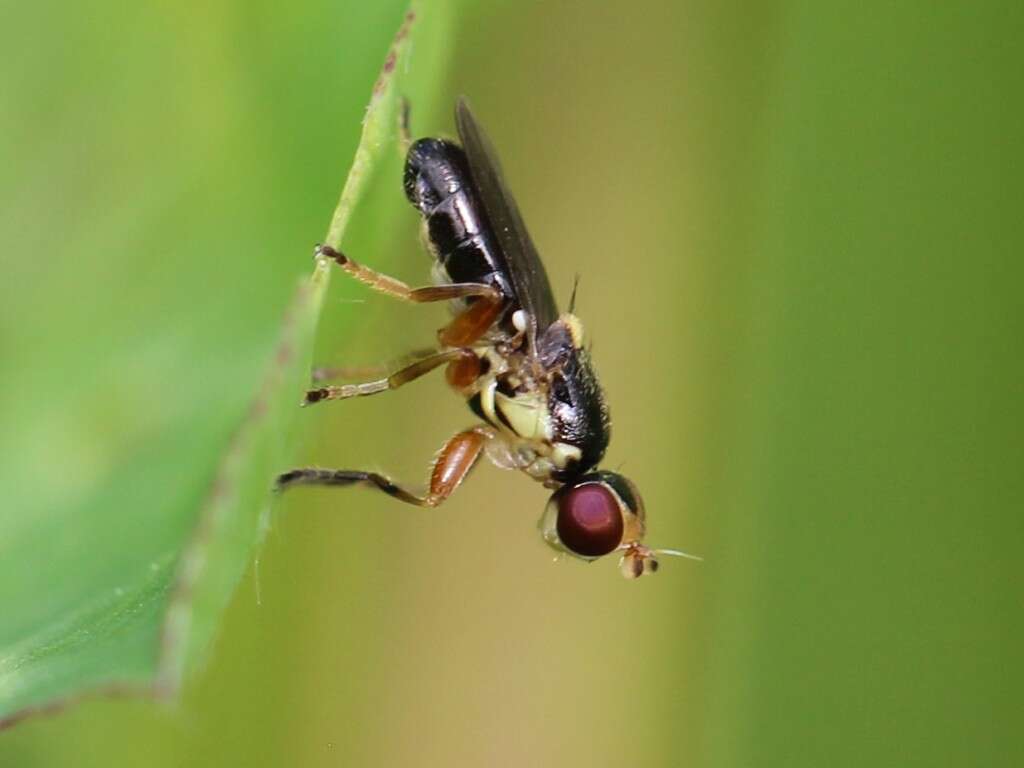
(520, 364)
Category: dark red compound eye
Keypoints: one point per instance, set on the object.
(589, 520)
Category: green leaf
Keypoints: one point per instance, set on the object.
(137, 459)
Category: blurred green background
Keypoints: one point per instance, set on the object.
(799, 232)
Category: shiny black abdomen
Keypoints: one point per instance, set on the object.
(437, 182)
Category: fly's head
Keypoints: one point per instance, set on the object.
(599, 513)
(591, 513)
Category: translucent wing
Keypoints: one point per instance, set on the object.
(526, 271)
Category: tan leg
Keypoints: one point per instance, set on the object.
(402, 376)
(337, 372)
(399, 290)
(453, 463)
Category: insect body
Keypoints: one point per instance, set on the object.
(522, 367)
